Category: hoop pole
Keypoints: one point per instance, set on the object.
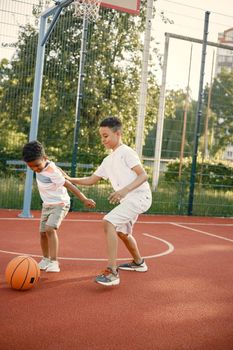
(37, 96)
(35, 116)
(198, 116)
(52, 25)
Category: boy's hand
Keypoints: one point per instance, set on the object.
(117, 196)
(89, 203)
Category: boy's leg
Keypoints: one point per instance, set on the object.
(56, 214)
(131, 245)
(44, 244)
(110, 276)
(112, 244)
(138, 263)
(53, 242)
(43, 264)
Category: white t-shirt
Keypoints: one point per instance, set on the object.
(50, 183)
(117, 167)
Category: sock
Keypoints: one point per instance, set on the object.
(114, 270)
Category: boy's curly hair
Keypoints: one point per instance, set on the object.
(33, 150)
(113, 123)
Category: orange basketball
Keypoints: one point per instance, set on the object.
(22, 273)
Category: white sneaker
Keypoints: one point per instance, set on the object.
(53, 266)
(44, 263)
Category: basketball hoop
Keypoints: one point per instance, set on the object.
(87, 8)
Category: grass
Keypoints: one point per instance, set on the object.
(169, 199)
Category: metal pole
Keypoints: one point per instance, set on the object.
(52, 25)
(35, 115)
(79, 96)
(144, 84)
(198, 115)
(160, 122)
(42, 39)
(198, 41)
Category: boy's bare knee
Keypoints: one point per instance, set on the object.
(50, 230)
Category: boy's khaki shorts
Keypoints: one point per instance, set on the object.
(124, 216)
(52, 215)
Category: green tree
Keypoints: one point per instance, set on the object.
(222, 107)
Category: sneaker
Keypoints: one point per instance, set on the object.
(53, 266)
(133, 266)
(43, 264)
(108, 278)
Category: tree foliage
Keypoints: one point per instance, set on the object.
(111, 85)
(221, 126)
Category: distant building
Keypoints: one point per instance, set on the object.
(224, 57)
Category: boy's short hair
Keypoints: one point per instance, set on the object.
(113, 123)
(33, 150)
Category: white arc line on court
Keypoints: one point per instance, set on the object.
(168, 251)
(203, 232)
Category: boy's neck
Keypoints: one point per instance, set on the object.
(118, 145)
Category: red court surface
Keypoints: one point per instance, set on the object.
(184, 301)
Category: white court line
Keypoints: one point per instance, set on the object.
(203, 232)
(138, 222)
(166, 252)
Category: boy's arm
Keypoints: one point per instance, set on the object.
(86, 201)
(90, 180)
(86, 181)
(142, 176)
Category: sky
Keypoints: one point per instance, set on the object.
(186, 17)
(188, 20)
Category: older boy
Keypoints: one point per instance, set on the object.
(131, 190)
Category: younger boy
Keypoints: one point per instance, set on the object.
(56, 202)
(132, 193)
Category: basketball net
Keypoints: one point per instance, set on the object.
(87, 8)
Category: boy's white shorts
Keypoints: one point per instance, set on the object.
(126, 213)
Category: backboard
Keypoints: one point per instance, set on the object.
(130, 6)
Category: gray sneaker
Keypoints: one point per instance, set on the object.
(133, 266)
(108, 278)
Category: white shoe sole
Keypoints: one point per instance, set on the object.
(113, 283)
(42, 268)
(53, 270)
(137, 269)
